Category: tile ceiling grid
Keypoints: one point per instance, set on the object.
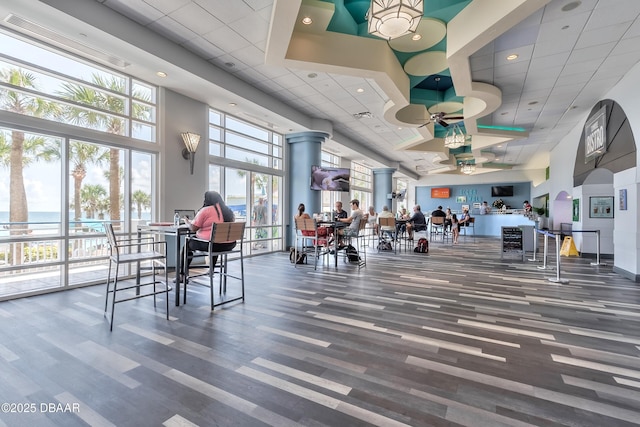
(560, 65)
(239, 37)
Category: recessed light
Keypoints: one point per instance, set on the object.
(359, 90)
(504, 114)
(161, 74)
(533, 102)
(570, 6)
(312, 75)
(230, 64)
(233, 104)
(307, 20)
(512, 57)
(416, 37)
(499, 146)
(566, 27)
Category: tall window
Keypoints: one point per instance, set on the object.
(246, 167)
(361, 185)
(329, 198)
(60, 189)
(72, 91)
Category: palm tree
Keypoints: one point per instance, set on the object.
(22, 151)
(81, 155)
(92, 196)
(112, 124)
(142, 200)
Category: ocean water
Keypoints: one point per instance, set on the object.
(51, 221)
(49, 217)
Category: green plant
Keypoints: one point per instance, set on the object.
(540, 211)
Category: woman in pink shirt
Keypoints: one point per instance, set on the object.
(213, 211)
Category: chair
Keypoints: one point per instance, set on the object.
(308, 240)
(437, 226)
(358, 239)
(471, 225)
(386, 235)
(134, 250)
(223, 232)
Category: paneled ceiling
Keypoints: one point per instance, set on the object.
(569, 54)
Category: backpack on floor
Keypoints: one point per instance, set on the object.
(352, 254)
(423, 246)
(302, 258)
(385, 246)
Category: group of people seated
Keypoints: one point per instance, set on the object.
(349, 225)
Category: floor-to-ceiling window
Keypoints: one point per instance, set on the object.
(246, 168)
(362, 185)
(329, 198)
(83, 155)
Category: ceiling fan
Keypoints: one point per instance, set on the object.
(440, 117)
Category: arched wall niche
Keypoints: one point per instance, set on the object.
(621, 146)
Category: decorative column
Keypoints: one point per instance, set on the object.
(304, 151)
(382, 188)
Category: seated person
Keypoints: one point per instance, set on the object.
(447, 219)
(527, 206)
(465, 218)
(439, 212)
(372, 220)
(339, 213)
(353, 221)
(402, 216)
(417, 222)
(386, 213)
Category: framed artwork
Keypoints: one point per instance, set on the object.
(623, 199)
(461, 199)
(601, 207)
(576, 209)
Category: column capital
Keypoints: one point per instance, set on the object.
(385, 171)
(311, 136)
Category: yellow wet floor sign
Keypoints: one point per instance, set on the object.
(568, 247)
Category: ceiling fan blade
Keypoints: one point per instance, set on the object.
(454, 117)
(425, 124)
(442, 123)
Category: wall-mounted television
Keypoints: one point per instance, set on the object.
(440, 193)
(330, 179)
(502, 191)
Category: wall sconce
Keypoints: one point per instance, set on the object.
(191, 141)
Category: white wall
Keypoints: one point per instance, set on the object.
(624, 232)
(178, 188)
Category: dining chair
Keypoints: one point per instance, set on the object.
(388, 233)
(223, 232)
(309, 241)
(471, 226)
(437, 226)
(129, 251)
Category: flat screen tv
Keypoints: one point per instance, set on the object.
(502, 191)
(330, 179)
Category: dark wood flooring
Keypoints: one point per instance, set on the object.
(457, 337)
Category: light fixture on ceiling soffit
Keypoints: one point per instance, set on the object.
(390, 19)
(455, 137)
(467, 167)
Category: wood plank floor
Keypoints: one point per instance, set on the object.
(457, 337)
